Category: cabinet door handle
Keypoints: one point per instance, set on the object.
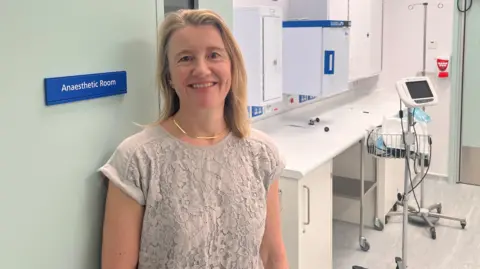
(329, 62)
(280, 196)
(308, 205)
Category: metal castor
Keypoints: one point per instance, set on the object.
(433, 233)
(387, 218)
(439, 210)
(364, 245)
(378, 225)
(464, 224)
(395, 208)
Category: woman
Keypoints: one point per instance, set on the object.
(199, 189)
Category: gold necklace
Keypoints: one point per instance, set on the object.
(197, 137)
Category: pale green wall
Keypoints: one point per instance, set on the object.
(470, 133)
(51, 197)
(471, 94)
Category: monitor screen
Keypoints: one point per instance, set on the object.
(419, 89)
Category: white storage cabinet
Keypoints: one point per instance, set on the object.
(366, 17)
(258, 31)
(306, 213)
(315, 57)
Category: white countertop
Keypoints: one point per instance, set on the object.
(305, 147)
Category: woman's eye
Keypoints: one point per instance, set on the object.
(185, 58)
(214, 55)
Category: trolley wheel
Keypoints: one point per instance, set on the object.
(378, 225)
(433, 233)
(463, 223)
(439, 210)
(397, 261)
(364, 245)
(395, 207)
(387, 218)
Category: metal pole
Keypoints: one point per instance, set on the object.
(408, 142)
(362, 192)
(422, 187)
(425, 16)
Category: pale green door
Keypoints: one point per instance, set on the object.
(51, 197)
(470, 138)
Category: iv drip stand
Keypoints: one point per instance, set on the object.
(425, 18)
(402, 262)
(422, 214)
(418, 218)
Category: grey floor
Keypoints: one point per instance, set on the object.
(454, 248)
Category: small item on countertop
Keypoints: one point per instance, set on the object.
(312, 121)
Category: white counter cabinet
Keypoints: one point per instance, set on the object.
(306, 212)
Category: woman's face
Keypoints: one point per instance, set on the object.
(199, 67)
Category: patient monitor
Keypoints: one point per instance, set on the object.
(417, 92)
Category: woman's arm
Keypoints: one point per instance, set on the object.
(272, 249)
(121, 230)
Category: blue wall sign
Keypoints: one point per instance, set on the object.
(62, 90)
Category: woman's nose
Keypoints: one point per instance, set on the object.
(201, 68)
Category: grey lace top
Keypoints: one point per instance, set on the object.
(205, 207)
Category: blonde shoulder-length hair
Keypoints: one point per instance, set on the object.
(235, 112)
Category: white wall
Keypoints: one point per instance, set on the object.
(279, 3)
(403, 39)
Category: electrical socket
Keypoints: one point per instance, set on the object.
(291, 100)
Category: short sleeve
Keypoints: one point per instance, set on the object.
(124, 170)
(277, 165)
(273, 161)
